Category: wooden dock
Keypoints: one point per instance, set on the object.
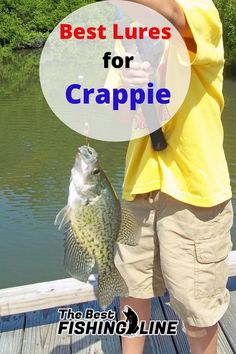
(35, 333)
(23, 331)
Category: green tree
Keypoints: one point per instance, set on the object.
(227, 11)
(27, 24)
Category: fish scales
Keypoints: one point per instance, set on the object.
(93, 223)
(96, 221)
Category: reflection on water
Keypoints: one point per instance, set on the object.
(36, 153)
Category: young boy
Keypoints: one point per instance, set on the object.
(181, 195)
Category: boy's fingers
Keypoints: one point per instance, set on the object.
(140, 66)
(135, 80)
(145, 65)
(135, 65)
(136, 73)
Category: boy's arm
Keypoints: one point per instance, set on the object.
(171, 10)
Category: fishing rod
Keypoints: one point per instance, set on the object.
(146, 50)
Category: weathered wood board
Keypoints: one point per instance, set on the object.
(57, 293)
(228, 322)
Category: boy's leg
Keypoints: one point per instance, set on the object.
(140, 268)
(142, 307)
(194, 246)
(202, 340)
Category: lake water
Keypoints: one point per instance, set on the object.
(36, 155)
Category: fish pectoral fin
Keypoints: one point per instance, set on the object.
(78, 262)
(129, 229)
(110, 284)
(63, 217)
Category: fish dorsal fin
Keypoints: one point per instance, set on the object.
(63, 217)
(129, 230)
(78, 262)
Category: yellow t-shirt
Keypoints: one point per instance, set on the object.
(193, 167)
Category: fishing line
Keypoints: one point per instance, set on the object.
(86, 131)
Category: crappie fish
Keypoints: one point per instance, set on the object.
(95, 221)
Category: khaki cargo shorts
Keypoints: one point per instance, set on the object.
(184, 249)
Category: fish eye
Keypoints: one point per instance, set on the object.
(96, 171)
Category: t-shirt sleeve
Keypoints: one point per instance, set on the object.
(205, 25)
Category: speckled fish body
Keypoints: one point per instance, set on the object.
(95, 222)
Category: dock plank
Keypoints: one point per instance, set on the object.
(158, 343)
(228, 322)
(223, 346)
(45, 295)
(95, 344)
(40, 335)
(35, 333)
(181, 341)
(232, 263)
(11, 334)
(61, 292)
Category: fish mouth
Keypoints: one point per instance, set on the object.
(88, 154)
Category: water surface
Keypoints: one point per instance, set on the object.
(36, 155)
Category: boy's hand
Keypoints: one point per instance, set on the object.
(137, 74)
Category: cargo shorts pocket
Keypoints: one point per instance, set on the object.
(211, 265)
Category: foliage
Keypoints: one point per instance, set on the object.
(227, 11)
(27, 24)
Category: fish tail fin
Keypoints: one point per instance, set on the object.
(110, 284)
